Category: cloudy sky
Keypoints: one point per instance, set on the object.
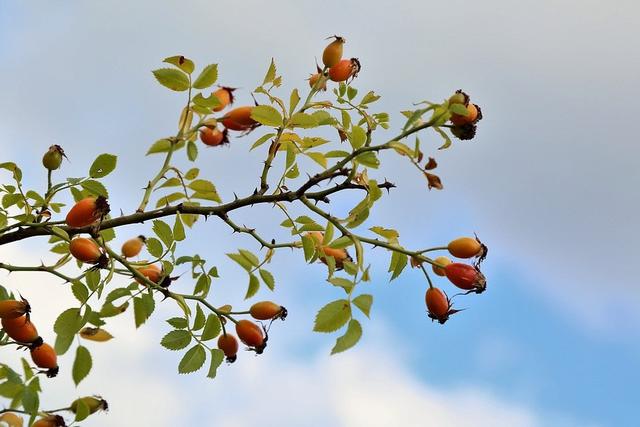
(550, 183)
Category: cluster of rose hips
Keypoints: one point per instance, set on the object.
(464, 126)
(464, 276)
(335, 68)
(92, 403)
(239, 119)
(17, 324)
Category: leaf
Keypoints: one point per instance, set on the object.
(363, 302)
(271, 73)
(103, 165)
(178, 229)
(81, 365)
(303, 120)
(369, 98)
(82, 410)
(266, 115)
(388, 234)
(163, 231)
(357, 137)
(368, 159)
(250, 256)
(192, 174)
(192, 360)
(254, 285)
(79, 291)
(172, 79)
(176, 340)
(398, 263)
(341, 242)
(154, 247)
(309, 247)
(319, 158)
(206, 102)
(242, 261)
(207, 77)
(30, 400)
(192, 151)
(69, 322)
(181, 62)
(142, 309)
(349, 339)
(198, 321)
(178, 322)
(212, 328)
(62, 344)
(261, 140)
(333, 316)
(293, 100)
(217, 356)
(162, 146)
(267, 278)
(95, 187)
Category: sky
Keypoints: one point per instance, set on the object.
(549, 183)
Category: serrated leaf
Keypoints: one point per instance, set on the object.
(303, 120)
(207, 77)
(154, 247)
(271, 73)
(192, 360)
(319, 158)
(333, 316)
(267, 278)
(199, 318)
(250, 257)
(178, 322)
(163, 146)
(81, 365)
(387, 233)
(30, 400)
(103, 165)
(69, 322)
(349, 339)
(341, 242)
(178, 229)
(82, 410)
(368, 159)
(181, 62)
(176, 339)
(95, 187)
(163, 231)
(79, 291)
(363, 302)
(172, 79)
(217, 356)
(261, 140)
(254, 285)
(212, 328)
(192, 151)
(309, 247)
(357, 137)
(398, 263)
(142, 309)
(293, 100)
(266, 115)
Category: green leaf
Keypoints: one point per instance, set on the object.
(192, 360)
(176, 340)
(349, 339)
(217, 356)
(212, 328)
(178, 322)
(363, 302)
(341, 242)
(103, 165)
(293, 100)
(369, 98)
(250, 256)
(95, 187)
(202, 285)
(163, 146)
(82, 410)
(207, 77)
(368, 159)
(319, 158)
(172, 79)
(199, 319)
(242, 261)
(357, 137)
(261, 140)
(30, 400)
(267, 278)
(266, 115)
(351, 92)
(206, 102)
(333, 316)
(192, 174)
(302, 120)
(343, 283)
(62, 344)
(154, 247)
(79, 291)
(309, 247)
(69, 322)
(271, 73)
(398, 263)
(387, 233)
(254, 285)
(178, 229)
(163, 231)
(192, 151)
(81, 365)
(142, 309)
(181, 62)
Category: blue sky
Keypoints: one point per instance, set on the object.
(550, 183)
